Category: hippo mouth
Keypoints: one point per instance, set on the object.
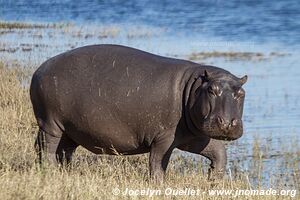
(213, 130)
(225, 138)
(229, 136)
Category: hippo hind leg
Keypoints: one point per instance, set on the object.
(54, 150)
(65, 149)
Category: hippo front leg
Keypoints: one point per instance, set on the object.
(160, 153)
(212, 149)
(215, 151)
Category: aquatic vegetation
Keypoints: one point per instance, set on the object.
(26, 25)
(231, 56)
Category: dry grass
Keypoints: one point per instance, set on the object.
(90, 176)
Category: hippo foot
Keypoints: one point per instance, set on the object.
(214, 174)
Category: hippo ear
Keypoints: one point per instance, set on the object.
(206, 75)
(244, 79)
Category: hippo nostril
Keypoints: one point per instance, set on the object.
(234, 122)
(220, 120)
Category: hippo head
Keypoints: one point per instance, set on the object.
(218, 106)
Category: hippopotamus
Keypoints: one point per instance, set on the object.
(118, 100)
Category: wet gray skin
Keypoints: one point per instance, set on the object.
(113, 99)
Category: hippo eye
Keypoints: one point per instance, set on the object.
(239, 94)
(213, 90)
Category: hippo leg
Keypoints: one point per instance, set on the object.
(65, 149)
(54, 150)
(215, 151)
(160, 153)
(212, 149)
(46, 146)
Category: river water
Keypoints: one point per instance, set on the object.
(179, 28)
